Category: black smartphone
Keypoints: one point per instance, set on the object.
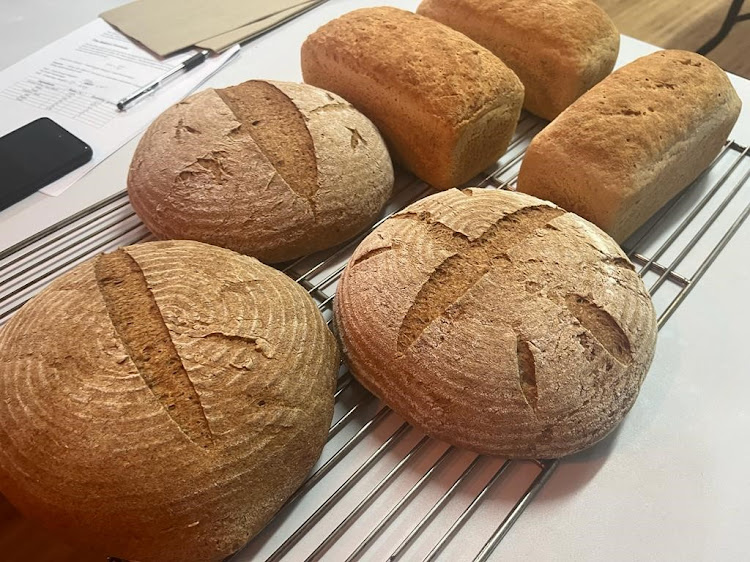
(36, 155)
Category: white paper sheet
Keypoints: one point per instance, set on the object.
(77, 80)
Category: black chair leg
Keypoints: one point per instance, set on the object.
(732, 18)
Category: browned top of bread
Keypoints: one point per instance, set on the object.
(275, 170)
(450, 76)
(563, 26)
(160, 403)
(278, 127)
(639, 114)
(498, 322)
(558, 48)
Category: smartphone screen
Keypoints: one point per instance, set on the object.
(36, 155)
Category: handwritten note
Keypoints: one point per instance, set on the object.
(77, 81)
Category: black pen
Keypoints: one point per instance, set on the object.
(189, 64)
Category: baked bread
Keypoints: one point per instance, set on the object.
(274, 170)
(447, 106)
(160, 403)
(634, 141)
(497, 322)
(558, 48)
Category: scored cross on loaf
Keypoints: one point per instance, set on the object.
(497, 322)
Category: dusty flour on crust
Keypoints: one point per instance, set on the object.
(497, 322)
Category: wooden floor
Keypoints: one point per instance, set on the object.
(675, 24)
(684, 24)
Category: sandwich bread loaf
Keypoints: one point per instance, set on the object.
(634, 141)
(446, 105)
(558, 48)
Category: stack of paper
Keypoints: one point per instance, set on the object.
(77, 80)
(167, 26)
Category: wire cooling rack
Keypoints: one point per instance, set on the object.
(381, 489)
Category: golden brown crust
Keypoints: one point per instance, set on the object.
(497, 322)
(141, 329)
(97, 449)
(215, 168)
(278, 128)
(428, 88)
(558, 48)
(630, 144)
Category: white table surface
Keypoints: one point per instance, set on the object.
(671, 484)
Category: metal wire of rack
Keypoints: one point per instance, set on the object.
(382, 490)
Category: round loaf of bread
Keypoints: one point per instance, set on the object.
(274, 170)
(160, 403)
(497, 322)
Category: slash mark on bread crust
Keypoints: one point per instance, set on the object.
(619, 262)
(447, 237)
(527, 371)
(183, 128)
(279, 129)
(139, 324)
(335, 106)
(471, 261)
(371, 254)
(261, 345)
(600, 324)
(356, 138)
(210, 164)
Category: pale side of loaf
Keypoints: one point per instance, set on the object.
(497, 322)
(275, 170)
(558, 48)
(447, 106)
(634, 141)
(161, 403)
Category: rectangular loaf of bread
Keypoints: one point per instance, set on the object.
(634, 141)
(558, 48)
(446, 106)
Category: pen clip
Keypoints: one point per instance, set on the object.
(184, 66)
(195, 60)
